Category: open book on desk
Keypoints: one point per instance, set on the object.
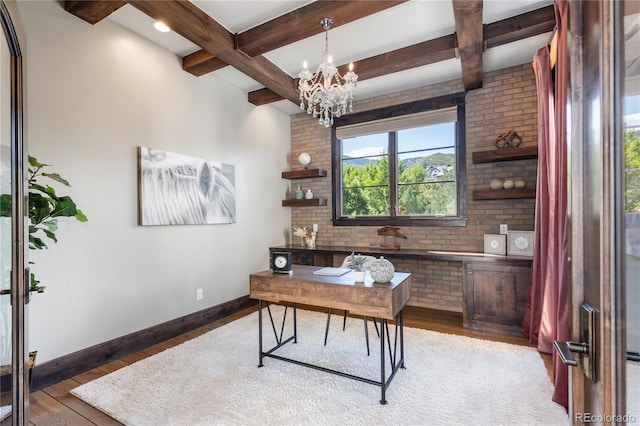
(332, 272)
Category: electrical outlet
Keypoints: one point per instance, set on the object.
(199, 294)
(504, 228)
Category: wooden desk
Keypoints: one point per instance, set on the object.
(378, 300)
(372, 299)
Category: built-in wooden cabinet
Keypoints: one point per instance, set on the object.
(507, 154)
(494, 296)
(304, 174)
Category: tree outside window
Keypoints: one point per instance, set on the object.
(632, 169)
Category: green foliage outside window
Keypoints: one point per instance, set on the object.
(632, 170)
(419, 194)
(366, 190)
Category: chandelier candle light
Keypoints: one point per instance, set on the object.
(328, 94)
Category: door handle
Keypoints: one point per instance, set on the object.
(586, 347)
(565, 350)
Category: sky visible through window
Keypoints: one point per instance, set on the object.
(631, 111)
(418, 138)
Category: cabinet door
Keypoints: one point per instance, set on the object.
(495, 296)
(302, 258)
(312, 259)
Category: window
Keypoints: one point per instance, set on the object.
(401, 165)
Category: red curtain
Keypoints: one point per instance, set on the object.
(546, 314)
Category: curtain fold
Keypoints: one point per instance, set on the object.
(546, 313)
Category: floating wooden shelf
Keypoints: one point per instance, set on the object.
(304, 174)
(504, 194)
(304, 202)
(507, 154)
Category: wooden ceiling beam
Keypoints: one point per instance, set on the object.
(305, 22)
(469, 33)
(519, 27)
(263, 96)
(417, 55)
(201, 62)
(92, 11)
(290, 28)
(192, 23)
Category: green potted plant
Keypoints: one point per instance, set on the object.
(44, 209)
(356, 262)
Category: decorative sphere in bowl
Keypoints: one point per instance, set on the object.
(496, 184)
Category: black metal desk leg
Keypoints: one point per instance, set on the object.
(260, 333)
(401, 316)
(383, 384)
(295, 323)
(366, 334)
(326, 330)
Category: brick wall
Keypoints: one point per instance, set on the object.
(507, 101)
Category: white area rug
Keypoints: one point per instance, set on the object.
(214, 379)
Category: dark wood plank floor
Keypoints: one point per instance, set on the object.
(56, 406)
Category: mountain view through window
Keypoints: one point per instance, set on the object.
(410, 172)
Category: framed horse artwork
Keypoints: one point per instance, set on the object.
(175, 189)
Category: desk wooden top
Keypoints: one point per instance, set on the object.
(370, 298)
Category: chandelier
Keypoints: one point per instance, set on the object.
(327, 93)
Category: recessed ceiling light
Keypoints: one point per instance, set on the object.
(160, 26)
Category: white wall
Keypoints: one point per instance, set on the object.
(94, 94)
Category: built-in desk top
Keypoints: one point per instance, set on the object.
(452, 256)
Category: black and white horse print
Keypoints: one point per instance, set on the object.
(181, 190)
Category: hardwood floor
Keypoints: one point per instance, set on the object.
(54, 405)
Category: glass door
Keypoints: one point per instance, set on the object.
(14, 364)
(5, 231)
(631, 129)
(6, 322)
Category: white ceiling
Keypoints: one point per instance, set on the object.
(400, 26)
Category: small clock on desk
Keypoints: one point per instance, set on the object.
(281, 262)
